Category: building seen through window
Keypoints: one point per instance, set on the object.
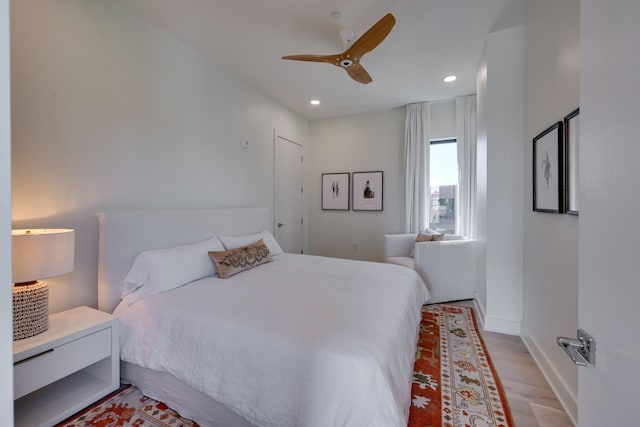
(443, 184)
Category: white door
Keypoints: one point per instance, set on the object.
(609, 264)
(6, 326)
(288, 193)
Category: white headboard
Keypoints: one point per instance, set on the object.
(124, 234)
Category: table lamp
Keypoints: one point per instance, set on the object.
(37, 254)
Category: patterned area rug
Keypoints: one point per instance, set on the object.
(454, 383)
(127, 407)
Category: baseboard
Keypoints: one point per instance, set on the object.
(493, 324)
(480, 310)
(567, 399)
(502, 326)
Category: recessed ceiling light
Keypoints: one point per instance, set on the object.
(449, 79)
(315, 102)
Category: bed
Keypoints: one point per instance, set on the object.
(298, 341)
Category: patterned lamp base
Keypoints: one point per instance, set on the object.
(30, 310)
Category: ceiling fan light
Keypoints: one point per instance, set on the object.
(314, 102)
(450, 79)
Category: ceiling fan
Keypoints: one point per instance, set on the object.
(350, 58)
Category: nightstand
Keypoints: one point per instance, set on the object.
(65, 369)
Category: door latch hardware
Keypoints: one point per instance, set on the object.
(581, 350)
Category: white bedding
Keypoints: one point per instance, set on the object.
(300, 341)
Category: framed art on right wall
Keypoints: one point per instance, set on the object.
(572, 149)
(548, 182)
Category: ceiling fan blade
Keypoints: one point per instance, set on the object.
(350, 59)
(312, 58)
(372, 38)
(359, 74)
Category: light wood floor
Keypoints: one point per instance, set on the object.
(532, 402)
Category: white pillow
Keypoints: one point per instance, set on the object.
(159, 270)
(232, 242)
(430, 232)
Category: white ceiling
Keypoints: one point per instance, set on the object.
(431, 39)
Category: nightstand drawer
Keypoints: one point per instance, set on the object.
(53, 364)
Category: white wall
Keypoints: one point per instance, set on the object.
(501, 132)
(551, 240)
(110, 112)
(481, 186)
(505, 124)
(367, 142)
(6, 320)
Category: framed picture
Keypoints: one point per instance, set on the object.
(367, 191)
(572, 147)
(335, 191)
(548, 181)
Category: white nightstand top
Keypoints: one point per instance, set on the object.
(64, 326)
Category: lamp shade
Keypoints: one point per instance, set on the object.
(42, 253)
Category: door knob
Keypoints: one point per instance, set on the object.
(582, 350)
(281, 225)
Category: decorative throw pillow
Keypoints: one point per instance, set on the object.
(428, 235)
(233, 261)
(424, 237)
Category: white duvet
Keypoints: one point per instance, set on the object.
(300, 341)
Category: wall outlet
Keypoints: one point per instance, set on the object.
(245, 145)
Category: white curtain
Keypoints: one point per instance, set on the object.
(416, 158)
(466, 135)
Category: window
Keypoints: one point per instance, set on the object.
(443, 184)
